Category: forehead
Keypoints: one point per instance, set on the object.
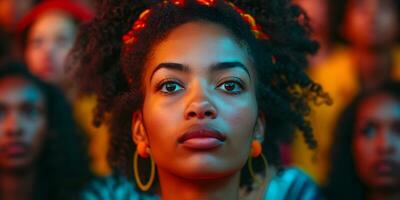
(373, 4)
(199, 43)
(379, 107)
(53, 22)
(14, 90)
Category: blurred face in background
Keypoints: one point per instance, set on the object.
(49, 41)
(317, 11)
(11, 11)
(376, 143)
(22, 123)
(371, 23)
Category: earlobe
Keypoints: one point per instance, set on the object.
(259, 129)
(138, 133)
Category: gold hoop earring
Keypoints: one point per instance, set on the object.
(143, 186)
(250, 166)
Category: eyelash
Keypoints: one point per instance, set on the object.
(239, 83)
(161, 84)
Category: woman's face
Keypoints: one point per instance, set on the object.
(49, 41)
(11, 12)
(376, 145)
(200, 108)
(22, 123)
(371, 23)
(317, 11)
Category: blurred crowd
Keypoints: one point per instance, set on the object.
(50, 149)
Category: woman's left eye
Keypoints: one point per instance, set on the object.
(170, 87)
(369, 129)
(232, 87)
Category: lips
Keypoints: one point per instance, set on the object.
(202, 138)
(386, 167)
(15, 149)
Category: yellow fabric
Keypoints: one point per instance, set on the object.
(338, 77)
(98, 137)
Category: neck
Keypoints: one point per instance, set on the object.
(384, 195)
(17, 185)
(175, 187)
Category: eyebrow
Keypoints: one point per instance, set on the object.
(229, 65)
(214, 68)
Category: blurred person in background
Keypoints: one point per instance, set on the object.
(11, 11)
(318, 13)
(371, 29)
(366, 150)
(48, 34)
(365, 54)
(42, 156)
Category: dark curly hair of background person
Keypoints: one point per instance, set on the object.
(113, 70)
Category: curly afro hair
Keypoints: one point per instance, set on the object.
(113, 70)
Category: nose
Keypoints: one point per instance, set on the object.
(201, 110)
(384, 142)
(200, 105)
(12, 126)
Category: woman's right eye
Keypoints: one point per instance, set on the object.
(369, 129)
(170, 87)
(36, 42)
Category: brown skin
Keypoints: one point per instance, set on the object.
(11, 12)
(22, 130)
(376, 146)
(371, 23)
(199, 96)
(371, 27)
(317, 11)
(49, 41)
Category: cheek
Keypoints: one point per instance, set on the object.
(363, 156)
(356, 23)
(387, 26)
(161, 119)
(239, 116)
(396, 147)
(239, 112)
(59, 60)
(62, 53)
(36, 131)
(32, 56)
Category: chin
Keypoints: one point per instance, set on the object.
(386, 183)
(20, 165)
(208, 175)
(209, 170)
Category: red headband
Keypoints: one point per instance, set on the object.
(75, 9)
(140, 23)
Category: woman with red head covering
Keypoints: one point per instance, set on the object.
(49, 31)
